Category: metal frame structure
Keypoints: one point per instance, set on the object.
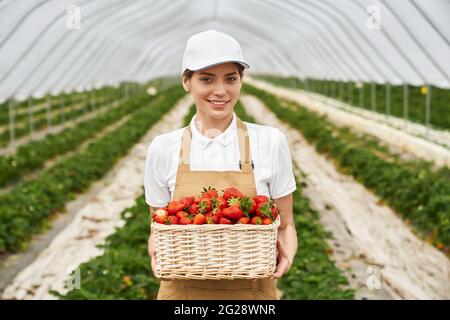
(137, 40)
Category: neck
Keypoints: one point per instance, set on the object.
(210, 127)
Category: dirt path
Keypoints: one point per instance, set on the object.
(397, 138)
(370, 241)
(93, 222)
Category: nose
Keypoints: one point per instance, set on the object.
(219, 88)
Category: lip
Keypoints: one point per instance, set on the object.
(218, 106)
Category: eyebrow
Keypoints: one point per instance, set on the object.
(210, 74)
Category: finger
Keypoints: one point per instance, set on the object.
(281, 268)
(153, 263)
(277, 273)
(280, 249)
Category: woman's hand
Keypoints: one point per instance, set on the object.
(284, 264)
(152, 252)
(287, 236)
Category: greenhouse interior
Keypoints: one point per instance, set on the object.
(355, 201)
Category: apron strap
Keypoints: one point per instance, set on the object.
(245, 162)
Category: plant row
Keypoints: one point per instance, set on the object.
(25, 210)
(360, 95)
(418, 193)
(33, 155)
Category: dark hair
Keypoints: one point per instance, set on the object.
(188, 73)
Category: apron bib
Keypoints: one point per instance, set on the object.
(191, 183)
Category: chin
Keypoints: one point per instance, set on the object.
(219, 114)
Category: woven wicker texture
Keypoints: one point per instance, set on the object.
(216, 251)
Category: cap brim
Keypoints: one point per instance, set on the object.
(245, 65)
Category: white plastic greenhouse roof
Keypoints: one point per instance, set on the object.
(42, 50)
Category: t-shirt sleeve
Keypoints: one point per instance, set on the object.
(157, 192)
(283, 181)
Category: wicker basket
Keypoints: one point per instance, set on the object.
(216, 251)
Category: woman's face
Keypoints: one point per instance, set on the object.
(215, 90)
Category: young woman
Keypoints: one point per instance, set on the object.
(217, 149)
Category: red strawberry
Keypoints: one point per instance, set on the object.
(219, 202)
(244, 220)
(181, 214)
(173, 219)
(263, 210)
(193, 209)
(209, 193)
(234, 201)
(209, 218)
(217, 212)
(174, 206)
(233, 212)
(275, 212)
(232, 192)
(214, 216)
(256, 220)
(185, 220)
(161, 216)
(225, 221)
(187, 201)
(261, 198)
(205, 205)
(199, 219)
(267, 221)
(197, 200)
(248, 205)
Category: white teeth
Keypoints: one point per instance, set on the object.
(217, 103)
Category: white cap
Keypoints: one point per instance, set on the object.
(209, 48)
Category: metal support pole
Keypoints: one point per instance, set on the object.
(49, 101)
(427, 107)
(30, 116)
(72, 106)
(405, 101)
(388, 99)
(373, 97)
(63, 116)
(86, 100)
(350, 93)
(93, 99)
(12, 126)
(361, 96)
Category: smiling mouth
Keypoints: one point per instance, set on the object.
(217, 103)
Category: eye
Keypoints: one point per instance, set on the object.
(232, 78)
(207, 80)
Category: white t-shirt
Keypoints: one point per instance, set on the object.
(269, 152)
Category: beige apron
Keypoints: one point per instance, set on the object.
(191, 183)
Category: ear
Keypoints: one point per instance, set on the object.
(186, 84)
